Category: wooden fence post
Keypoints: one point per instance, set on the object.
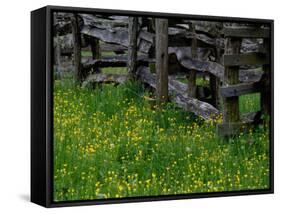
(214, 87)
(265, 82)
(77, 48)
(161, 26)
(132, 48)
(231, 77)
(95, 49)
(151, 54)
(58, 58)
(215, 83)
(192, 74)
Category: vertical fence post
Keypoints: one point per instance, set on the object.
(58, 57)
(161, 60)
(96, 53)
(265, 92)
(215, 81)
(192, 74)
(231, 77)
(214, 87)
(132, 48)
(77, 48)
(151, 54)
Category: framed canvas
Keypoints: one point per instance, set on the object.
(131, 106)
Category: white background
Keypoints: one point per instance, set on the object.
(15, 106)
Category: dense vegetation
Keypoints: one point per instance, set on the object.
(112, 142)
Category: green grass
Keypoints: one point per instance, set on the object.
(111, 142)
(249, 103)
(116, 70)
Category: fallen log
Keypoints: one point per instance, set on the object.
(202, 109)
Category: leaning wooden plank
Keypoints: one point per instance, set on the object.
(106, 47)
(207, 27)
(105, 78)
(207, 66)
(115, 61)
(202, 109)
(202, 54)
(184, 56)
(103, 23)
(119, 37)
(203, 65)
(245, 59)
(246, 32)
(240, 89)
(181, 38)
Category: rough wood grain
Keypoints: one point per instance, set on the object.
(245, 59)
(77, 48)
(114, 61)
(246, 32)
(209, 28)
(119, 37)
(231, 77)
(118, 49)
(161, 46)
(96, 52)
(105, 78)
(132, 47)
(103, 23)
(214, 88)
(266, 83)
(192, 73)
(240, 89)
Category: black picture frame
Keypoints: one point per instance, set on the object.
(42, 104)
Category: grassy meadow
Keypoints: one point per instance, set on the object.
(110, 142)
